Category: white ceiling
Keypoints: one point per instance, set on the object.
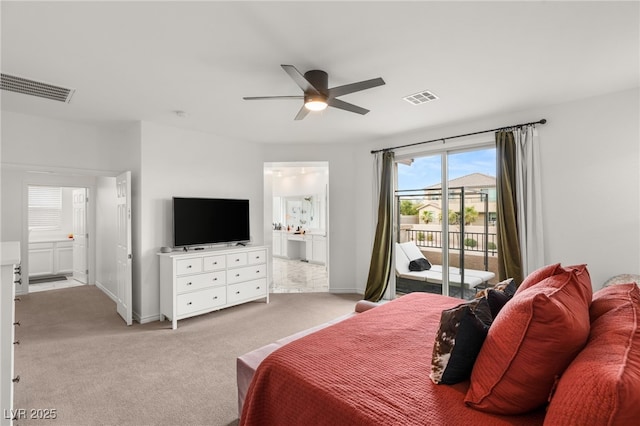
(132, 61)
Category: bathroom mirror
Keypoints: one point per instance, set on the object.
(306, 211)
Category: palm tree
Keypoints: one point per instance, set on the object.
(470, 215)
(427, 216)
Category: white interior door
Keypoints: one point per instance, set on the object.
(124, 256)
(80, 236)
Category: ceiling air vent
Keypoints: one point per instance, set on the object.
(36, 88)
(420, 97)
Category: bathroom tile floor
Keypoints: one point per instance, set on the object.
(296, 276)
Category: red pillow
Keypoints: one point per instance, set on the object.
(535, 337)
(602, 384)
(609, 298)
(538, 275)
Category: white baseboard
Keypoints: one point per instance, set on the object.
(135, 315)
(106, 291)
(148, 318)
(345, 290)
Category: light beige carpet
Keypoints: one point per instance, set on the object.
(77, 357)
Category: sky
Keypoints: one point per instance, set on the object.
(425, 171)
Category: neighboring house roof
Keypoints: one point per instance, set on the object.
(435, 205)
(474, 180)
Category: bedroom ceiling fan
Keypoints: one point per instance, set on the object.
(317, 95)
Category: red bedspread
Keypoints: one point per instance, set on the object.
(370, 369)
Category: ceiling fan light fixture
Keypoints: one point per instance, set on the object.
(315, 102)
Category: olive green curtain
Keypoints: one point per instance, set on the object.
(509, 259)
(380, 266)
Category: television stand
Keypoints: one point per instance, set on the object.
(197, 283)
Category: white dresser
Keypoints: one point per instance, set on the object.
(196, 282)
(10, 278)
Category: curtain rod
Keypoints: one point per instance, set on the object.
(543, 121)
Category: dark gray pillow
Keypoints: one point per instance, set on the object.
(499, 295)
(420, 264)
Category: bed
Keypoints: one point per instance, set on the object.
(368, 369)
(555, 353)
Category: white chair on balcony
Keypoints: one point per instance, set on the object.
(431, 279)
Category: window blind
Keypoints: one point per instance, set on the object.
(45, 207)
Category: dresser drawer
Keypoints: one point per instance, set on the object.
(257, 257)
(236, 259)
(245, 274)
(213, 263)
(246, 290)
(201, 300)
(188, 266)
(198, 281)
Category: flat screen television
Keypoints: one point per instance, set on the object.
(203, 221)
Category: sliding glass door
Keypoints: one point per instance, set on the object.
(446, 202)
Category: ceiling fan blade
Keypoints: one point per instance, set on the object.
(260, 98)
(355, 87)
(300, 80)
(337, 103)
(302, 113)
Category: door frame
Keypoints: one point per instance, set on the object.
(452, 147)
(57, 180)
(268, 168)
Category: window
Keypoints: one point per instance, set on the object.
(464, 244)
(45, 207)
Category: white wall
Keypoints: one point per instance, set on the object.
(590, 158)
(300, 185)
(42, 151)
(344, 212)
(176, 162)
(30, 140)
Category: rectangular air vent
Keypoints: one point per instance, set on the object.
(36, 88)
(421, 97)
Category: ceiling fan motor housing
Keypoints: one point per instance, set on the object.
(319, 79)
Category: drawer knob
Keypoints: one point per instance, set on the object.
(258, 271)
(258, 288)
(215, 297)
(237, 260)
(16, 380)
(17, 323)
(189, 283)
(190, 303)
(215, 278)
(237, 275)
(237, 292)
(188, 266)
(17, 299)
(19, 281)
(17, 342)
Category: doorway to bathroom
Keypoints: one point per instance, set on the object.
(57, 242)
(296, 216)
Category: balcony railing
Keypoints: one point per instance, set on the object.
(472, 241)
